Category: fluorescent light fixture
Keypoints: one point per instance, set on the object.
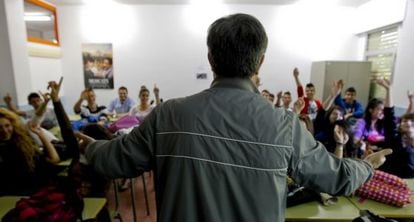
(37, 17)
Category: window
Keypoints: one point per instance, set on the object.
(381, 50)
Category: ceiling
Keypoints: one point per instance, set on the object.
(350, 3)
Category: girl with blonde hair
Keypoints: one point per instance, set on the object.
(23, 165)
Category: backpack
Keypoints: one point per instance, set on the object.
(49, 204)
(368, 216)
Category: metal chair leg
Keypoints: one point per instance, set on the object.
(145, 194)
(134, 213)
(117, 215)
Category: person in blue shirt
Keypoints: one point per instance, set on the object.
(121, 105)
(352, 107)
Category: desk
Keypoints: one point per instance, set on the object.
(74, 117)
(65, 163)
(90, 211)
(343, 210)
(387, 210)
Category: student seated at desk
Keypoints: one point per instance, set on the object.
(49, 118)
(89, 181)
(143, 109)
(91, 110)
(23, 167)
(401, 140)
(121, 105)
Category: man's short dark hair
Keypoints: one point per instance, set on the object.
(287, 93)
(109, 59)
(32, 95)
(236, 44)
(351, 90)
(310, 85)
(123, 88)
(408, 116)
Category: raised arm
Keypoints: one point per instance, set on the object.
(63, 120)
(51, 154)
(341, 138)
(279, 99)
(387, 86)
(157, 95)
(410, 108)
(11, 106)
(40, 111)
(313, 166)
(298, 83)
(335, 91)
(77, 106)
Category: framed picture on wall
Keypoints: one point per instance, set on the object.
(97, 65)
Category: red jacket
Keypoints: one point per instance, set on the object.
(305, 109)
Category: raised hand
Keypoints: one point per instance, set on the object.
(340, 135)
(7, 98)
(279, 95)
(296, 72)
(384, 83)
(410, 95)
(84, 95)
(156, 91)
(45, 96)
(337, 87)
(298, 105)
(35, 128)
(55, 89)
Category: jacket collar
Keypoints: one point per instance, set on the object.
(238, 83)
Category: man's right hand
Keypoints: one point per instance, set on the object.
(84, 141)
(378, 158)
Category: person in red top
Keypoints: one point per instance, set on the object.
(312, 105)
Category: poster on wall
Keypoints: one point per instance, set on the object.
(97, 65)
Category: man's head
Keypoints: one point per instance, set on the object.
(91, 97)
(310, 91)
(107, 63)
(350, 95)
(286, 99)
(34, 100)
(407, 125)
(122, 93)
(265, 93)
(271, 97)
(236, 46)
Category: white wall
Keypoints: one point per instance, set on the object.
(18, 50)
(379, 13)
(166, 44)
(7, 78)
(44, 69)
(404, 67)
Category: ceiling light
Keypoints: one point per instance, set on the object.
(37, 18)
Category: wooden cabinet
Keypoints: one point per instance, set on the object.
(353, 73)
